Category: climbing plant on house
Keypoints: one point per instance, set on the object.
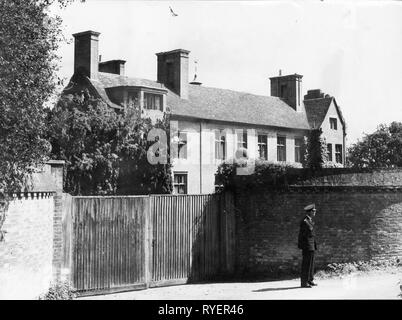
(316, 153)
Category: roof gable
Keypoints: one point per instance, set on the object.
(316, 110)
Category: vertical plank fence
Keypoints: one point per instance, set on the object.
(109, 243)
(133, 242)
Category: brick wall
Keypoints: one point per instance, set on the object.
(389, 177)
(57, 174)
(352, 222)
(26, 253)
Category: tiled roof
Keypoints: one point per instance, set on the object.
(100, 89)
(215, 104)
(316, 110)
(232, 106)
(340, 115)
(110, 80)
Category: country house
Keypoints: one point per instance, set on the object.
(212, 125)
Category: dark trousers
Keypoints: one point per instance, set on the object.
(307, 269)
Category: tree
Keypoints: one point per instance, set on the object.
(382, 148)
(29, 37)
(106, 152)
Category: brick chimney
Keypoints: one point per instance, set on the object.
(315, 94)
(86, 58)
(288, 88)
(112, 66)
(173, 71)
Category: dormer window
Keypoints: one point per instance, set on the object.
(333, 123)
(153, 101)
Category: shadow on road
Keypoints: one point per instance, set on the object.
(276, 289)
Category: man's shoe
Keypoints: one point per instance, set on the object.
(306, 286)
(312, 283)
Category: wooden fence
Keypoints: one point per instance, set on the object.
(134, 242)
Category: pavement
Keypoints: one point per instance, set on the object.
(354, 286)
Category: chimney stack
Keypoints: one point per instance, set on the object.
(288, 88)
(315, 94)
(173, 71)
(86, 58)
(112, 66)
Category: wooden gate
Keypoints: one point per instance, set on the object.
(192, 238)
(132, 242)
(109, 243)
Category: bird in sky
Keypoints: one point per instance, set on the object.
(174, 14)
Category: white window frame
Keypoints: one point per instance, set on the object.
(280, 145)
(179, 184)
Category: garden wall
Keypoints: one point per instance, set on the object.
(29, 254)
(354, 221)
(26, 253)
(340, 177)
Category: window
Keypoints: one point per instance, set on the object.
(153, 101)
(262, 146)
(298, 149)
(281, 148)
(338, 153)
(329, 151)
(242, 141)
(333, 123)
(220, 145)
(180, 183)
(182, 145)
(133, 98)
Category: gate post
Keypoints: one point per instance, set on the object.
(147, 241)
(67, 237)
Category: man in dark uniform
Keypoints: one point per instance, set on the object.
(308, 245)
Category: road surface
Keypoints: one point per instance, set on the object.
(373, 286)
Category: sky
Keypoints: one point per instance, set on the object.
(351, 50)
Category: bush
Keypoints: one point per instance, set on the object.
(265, 173)
(277, 175)
(342, 269)
(331, 164)
(59, 291)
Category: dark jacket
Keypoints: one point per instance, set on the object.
(306, 239)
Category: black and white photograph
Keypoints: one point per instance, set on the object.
(190, 151)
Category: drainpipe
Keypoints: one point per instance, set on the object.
(200, 156)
